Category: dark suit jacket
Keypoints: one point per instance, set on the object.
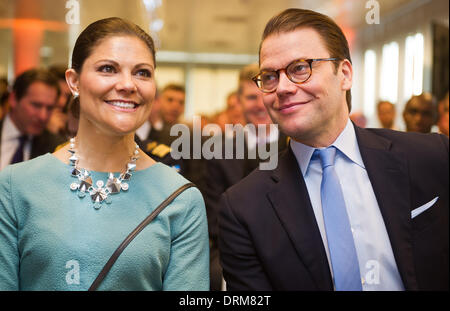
(269, 238)
(41, 144)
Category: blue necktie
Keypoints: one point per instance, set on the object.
(344, 259)
(18, 155)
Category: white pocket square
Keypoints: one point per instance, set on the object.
(423, 208)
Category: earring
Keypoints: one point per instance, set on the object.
(75, 94)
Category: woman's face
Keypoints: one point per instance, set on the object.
(116, 86)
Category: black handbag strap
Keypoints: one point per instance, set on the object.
(134, 233)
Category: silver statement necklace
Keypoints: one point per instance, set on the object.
(99, 192)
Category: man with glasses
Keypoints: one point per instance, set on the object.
(347, 208)
(23, 133)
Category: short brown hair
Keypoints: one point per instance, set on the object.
(332, 35)
(426, 98)
(25, 79)
(174, 87)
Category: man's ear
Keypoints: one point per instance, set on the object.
(347, 74)
(72, 79)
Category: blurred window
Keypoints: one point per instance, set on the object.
(370, 62)
(414, 50)
(389, 72)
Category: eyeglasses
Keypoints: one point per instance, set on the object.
(297, 71)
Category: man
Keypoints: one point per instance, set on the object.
(59, 118)
(234, 109)
(171, 110)
(419, 114)
(375, 219)
(443, 115)
(386, 114)
(223, 173)
(23, 130)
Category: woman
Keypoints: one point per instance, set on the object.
(62, 215)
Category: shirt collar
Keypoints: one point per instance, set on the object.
(10, 131)
(345, 143)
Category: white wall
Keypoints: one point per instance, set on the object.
(416, 16)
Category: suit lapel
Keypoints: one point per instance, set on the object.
(388, 174)
(289, 197)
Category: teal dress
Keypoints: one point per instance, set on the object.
(50, 239)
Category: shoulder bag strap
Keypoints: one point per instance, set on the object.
(134, 233)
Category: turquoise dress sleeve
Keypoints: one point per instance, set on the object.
(187, 255)
(51, 239)
(9, 254)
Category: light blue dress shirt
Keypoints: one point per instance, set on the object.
(376, 260)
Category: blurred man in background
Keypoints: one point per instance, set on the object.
(419, 114)
(386, 114)
(23, 130)
(223, 173)
(171, 109)
(58, 120)
(234, 109)
(443, 115)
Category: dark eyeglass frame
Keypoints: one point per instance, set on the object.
(257, 78)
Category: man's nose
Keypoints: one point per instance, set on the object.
(285, 86)
(44, 114)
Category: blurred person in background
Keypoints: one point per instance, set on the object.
(386, 114)
(223, 173)
(221, 118)
(234, 109)
(172, 103)
(171, 109)
(443, 115)
(359, 119)
(419, 113)
(58, 120)
(23, 130)
(3, 85)
(152, 127)
(4, 94)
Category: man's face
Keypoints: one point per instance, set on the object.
(314, 112)
(386, 114)
(251, 100)
(32, 112)
(172, 105)
(443, 117)
(234, 110)
(418, 116)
